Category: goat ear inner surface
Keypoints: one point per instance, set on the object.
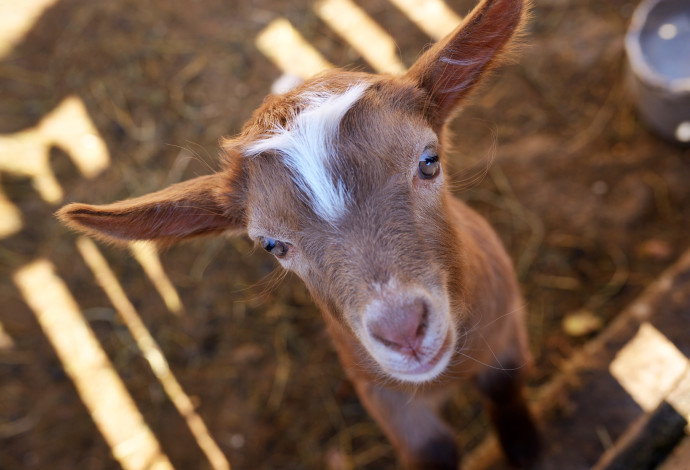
(450, 69)
(200, 206)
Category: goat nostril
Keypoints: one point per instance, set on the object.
(423, 321)
(421, 329)
(402, 328)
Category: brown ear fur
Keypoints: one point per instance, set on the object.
(453, 66)
(200, 206)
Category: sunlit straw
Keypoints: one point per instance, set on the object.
(25, 154)
(69, 127)
(17, 19)
(10, 217)
(147, 255)
(131, 441)
(679, 398)
(6, 341)
(362, 33)
(433, 17)
(649, 367)
(289, 51)
(151, 351)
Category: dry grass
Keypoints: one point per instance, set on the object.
(590, 205)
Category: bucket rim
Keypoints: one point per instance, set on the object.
(639, 65)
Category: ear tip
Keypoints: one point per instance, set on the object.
(75, 217)
(63, 213)
(68, 213)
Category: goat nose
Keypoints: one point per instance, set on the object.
(401, 327)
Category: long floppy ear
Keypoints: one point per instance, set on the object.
(453, 66)
(201, 206)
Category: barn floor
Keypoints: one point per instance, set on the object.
(591, 206)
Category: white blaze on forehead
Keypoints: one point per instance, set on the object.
(307, 144)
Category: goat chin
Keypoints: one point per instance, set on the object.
(426, 369)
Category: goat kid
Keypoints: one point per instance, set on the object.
(342, 180)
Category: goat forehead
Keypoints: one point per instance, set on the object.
(307, 145)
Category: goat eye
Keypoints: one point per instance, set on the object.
(429, 165)
(275, 247)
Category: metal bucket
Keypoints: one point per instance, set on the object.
(658, 48)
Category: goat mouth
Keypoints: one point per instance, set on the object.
(429, 369)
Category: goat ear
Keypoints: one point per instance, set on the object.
(202, 206)
(453, 66)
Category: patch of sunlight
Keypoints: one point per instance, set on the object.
(679, 398)
(10, 217)
(147, 256)
(362, 33)
(283, 45)
(433, 17)
(111, 407)
(151, 351)
(6, 341)
(69, 127)
(16, 19)
(649, 367)
(25, 153)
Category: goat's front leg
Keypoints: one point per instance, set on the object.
(502, 386)
(411, 423)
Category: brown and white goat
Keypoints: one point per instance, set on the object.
(342, 180)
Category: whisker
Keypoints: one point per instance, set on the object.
(477, 175)
(522, 307)
(193, 155)
(267, 283)
(490, 366)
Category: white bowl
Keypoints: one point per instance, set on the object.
(658, 48)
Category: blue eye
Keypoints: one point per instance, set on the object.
(273, 246)
(429, 164)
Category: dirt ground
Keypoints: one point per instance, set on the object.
(590, 204)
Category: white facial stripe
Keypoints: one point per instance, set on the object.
(308, 145)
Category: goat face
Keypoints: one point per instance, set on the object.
(346, 188)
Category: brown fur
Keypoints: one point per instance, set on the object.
(404, 241)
